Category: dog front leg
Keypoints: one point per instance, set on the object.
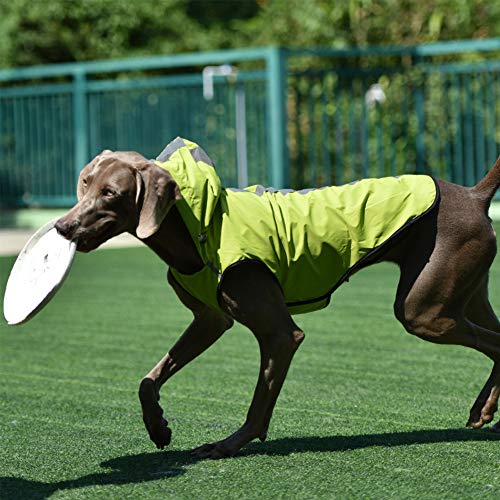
(252, 296)
(276, 356)
(205, 329)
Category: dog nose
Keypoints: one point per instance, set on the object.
(65, 228)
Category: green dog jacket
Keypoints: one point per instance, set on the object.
(311, 240)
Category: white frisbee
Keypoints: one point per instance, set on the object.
(39, 271)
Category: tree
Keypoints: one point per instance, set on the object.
(40, 32)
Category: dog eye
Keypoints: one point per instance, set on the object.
(108, 192)
(84, 182)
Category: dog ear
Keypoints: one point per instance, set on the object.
(159, 192)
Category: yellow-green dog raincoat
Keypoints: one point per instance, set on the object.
(311, 240)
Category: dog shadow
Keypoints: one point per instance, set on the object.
(143, 467)
(286, 446)
(128, 469)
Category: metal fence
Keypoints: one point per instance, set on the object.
(359, 113)
(49, 131)
(309, 117)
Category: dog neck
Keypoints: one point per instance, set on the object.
(174, 245)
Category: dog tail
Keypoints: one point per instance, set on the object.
(486, 188)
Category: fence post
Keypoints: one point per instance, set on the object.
(276, 66)
(80, 121)
(419, 103)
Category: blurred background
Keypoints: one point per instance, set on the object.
(278, 92)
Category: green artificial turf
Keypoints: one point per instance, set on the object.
(366, 411)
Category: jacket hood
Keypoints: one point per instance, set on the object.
(199, 184)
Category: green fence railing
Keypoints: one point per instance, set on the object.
(50, 130)
(386, 111)
(311, 117)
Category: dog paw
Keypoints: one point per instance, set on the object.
(214, 450)
(159, 431)
(481, 416)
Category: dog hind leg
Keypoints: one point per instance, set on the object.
(442, 295)
(479, 311)
(437, 325)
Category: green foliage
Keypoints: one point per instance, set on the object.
(364, 22)
(75, 30)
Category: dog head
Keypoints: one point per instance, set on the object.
(118, 192)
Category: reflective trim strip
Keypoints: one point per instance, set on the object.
(200, 155)
(197, 153)
(308, 190)
(171, 148)
(260, 190)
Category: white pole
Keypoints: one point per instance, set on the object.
(241, 136)
(208, 73)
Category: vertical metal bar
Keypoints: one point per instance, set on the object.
(251, 109)
(116, 122)
(68, 144)
(9, 106)
(364, 133)
(380, 140)
(491, 124)
(14, 160)
(263, 139)
(406, 131)
(258, 170)
(480, 170)
(276, 67)
(5, 186)
(59, 141)
(241, 135)
(24, 147)
(419, 103)
(456, 106)
(299, 170)
(101, 123)
(338, 135)
(94, 126)
(14, 176)
(448, 139)
(37, 139)
(229, 120)
(391, 142)
(312, 157)
(325, 135)
(258, 167)
(6, 182)
(468, 133)
(55, 142)
(352, 132)
(49, 177)
(38, 129)
(80, 121)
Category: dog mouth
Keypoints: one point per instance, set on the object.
(89, 239)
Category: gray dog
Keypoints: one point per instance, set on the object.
(442, 294)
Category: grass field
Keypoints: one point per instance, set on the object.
(366, 411)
